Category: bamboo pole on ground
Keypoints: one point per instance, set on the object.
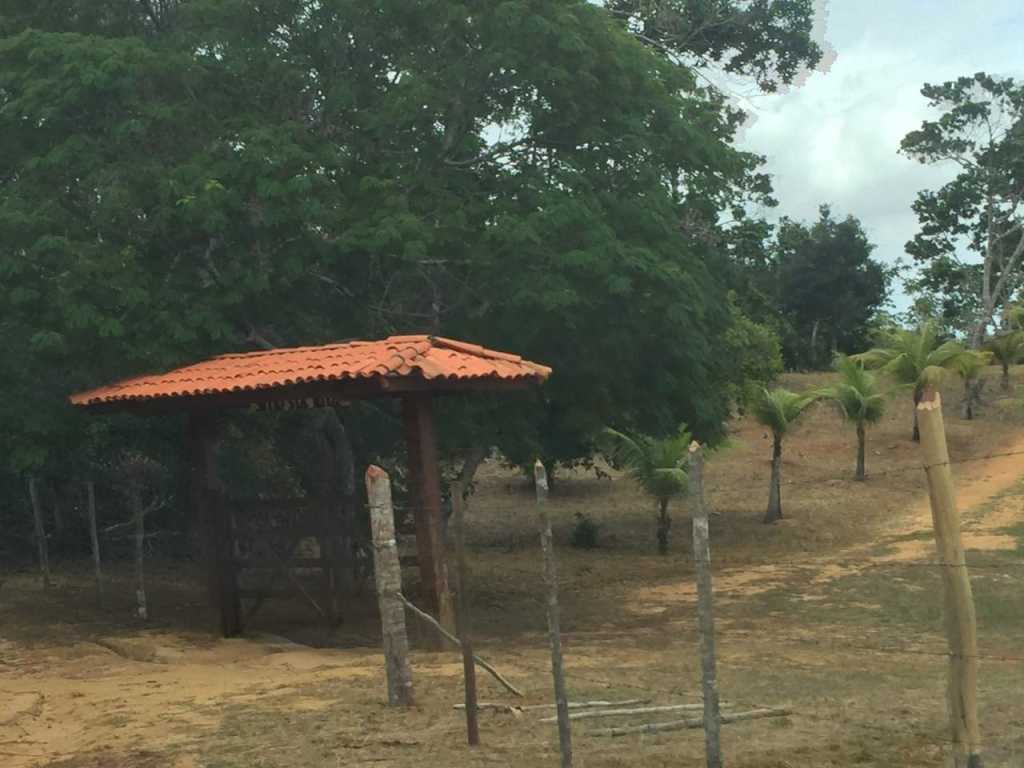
(695, 722)
(462, 619)
(961, 630)
(90, 490)
(40, 532)
(388, 574)
(554, 631)
(705, 613)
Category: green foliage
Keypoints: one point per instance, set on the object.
(754, 352)
(981, 129)
(769, 40)
(828, 288)
(585, 533)
(857, 395)
(915, 358)
(658, 466)
(778, 409)
(1007, 348)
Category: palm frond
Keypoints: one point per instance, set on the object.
(658, 466)
(777, 409)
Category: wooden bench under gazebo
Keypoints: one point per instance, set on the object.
(411, 368)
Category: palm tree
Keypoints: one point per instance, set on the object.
(659, 466)
(859, 399)
(914, 359)
(777, 410)
(1007, 349)
(970, 366)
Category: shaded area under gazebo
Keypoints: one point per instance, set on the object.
(411, 368)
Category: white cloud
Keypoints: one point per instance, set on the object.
(835, 138)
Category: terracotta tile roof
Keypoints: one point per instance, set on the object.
(422, 357)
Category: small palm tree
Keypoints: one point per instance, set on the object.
(859, 399)
(1007, 349)
(915, 359)
(970, 366)
(659, 466)
(777, 410)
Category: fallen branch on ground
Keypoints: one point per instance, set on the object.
(572, 705)
(454, 640)
(695, 722)
(638, 711)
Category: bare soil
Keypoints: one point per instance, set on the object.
(834, 612)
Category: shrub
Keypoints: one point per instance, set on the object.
(584, 532)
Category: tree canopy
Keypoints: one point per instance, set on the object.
(186, 178)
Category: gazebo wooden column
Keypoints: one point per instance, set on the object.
(214, 525)
(425, 486)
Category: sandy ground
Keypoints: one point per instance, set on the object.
(809, 614)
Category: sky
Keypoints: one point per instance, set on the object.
(834, 138)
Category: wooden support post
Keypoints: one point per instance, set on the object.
(94, 539)
(540, 477)
(705, 614)
(142, 610)
(40, 532)
(425, 482)
(214, 523)
(463, 619)
(388, 574)
(961, 630)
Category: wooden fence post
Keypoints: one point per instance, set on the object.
(90, 489)
(388, 574)
(37, 519)
(705, 613)
(554, 631)
(463, 620)
(140, 551)
(961, 630)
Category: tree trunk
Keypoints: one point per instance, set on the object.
(861, 440)
(775, 489)
(40, 532)
(1006, 377)
(916, 434)
(664, 524)
(967, 403)
(94, 539)
(814, 345)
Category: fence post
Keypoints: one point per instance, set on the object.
(463, 620)
(961, 630)
(388, 573)
(554, 631)
(37, 519)
(705, 614)
(140, 551)
(90, 489)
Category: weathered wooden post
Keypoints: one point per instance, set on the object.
(961, 630)
(140, 550)
(540, 477)
(40, 531)
(463, 620)
(90, 490)
(388, 573)
(705, 614)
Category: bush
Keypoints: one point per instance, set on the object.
(584, 532)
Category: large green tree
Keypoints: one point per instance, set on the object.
(183, 178)
(828, 287)
(979, 132)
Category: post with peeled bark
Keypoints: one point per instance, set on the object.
(40, 532)
(705, 614)
(540, 477)
(961, 629)
(388, 574)
(94, 539)
(462, 619)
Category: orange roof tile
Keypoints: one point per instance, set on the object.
(424, 357)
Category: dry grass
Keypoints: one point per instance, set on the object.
(855, 651)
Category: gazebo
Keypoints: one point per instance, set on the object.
(411, 368)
